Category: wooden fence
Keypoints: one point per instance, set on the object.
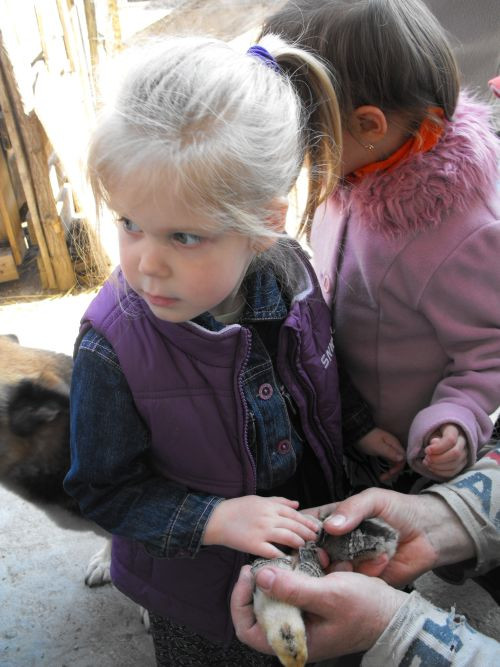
(48, 52)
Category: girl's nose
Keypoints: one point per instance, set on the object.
(153, 261)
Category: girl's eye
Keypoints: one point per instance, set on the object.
(186, 239)
(128, 225)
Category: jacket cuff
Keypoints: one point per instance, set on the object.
(194, 513)
(357, 419)
(356, 424)
(474, 498)
(420, 633)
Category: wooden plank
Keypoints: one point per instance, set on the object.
(42, 273)
(10, 221)
(62, 9)
(15, 179)
(54, 52)
(8, 270)
(41, 32)
(64, 108)
(53, 229)
(26, 131)
(70, 20)
(116, 26)
(93, 35)
(25, 175)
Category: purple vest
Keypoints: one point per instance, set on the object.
(186, 383)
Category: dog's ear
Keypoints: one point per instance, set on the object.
(32, 404)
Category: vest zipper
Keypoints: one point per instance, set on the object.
(245, 408)
(312, 424)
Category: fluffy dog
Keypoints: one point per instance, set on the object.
(34, 434)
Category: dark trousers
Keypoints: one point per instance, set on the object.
(178, 646)
(491, 583)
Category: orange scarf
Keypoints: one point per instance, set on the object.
(424, 140)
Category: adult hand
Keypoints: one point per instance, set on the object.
(346, 612)
(430, 533)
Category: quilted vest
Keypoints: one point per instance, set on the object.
(187, 386)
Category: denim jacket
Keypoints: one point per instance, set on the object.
(120, 432)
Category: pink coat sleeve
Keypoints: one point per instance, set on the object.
(462, 300)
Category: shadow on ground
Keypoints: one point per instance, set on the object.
(49, 618)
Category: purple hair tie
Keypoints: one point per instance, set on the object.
(264, 55)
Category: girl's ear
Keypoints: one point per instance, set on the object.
(277, 214)
(276, 220)
(368, 124)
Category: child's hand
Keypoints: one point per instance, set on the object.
(446, 453)
(381, 443)
(252, 524)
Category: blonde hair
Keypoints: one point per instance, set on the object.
(224, 129)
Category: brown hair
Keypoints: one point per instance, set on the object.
(389, 53)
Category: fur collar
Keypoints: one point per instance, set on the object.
(424, 189)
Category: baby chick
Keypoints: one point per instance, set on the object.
(283, 623)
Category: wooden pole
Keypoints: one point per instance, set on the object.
(115, 23)
(31, 153)
(51, 222)
(62, 10)
(24, 172)
(43, 39)
(10, 220)
(70, 14)
(93, 36)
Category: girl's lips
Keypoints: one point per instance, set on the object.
(161, 301)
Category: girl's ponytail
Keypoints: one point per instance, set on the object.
(321, 127)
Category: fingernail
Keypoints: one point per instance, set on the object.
(337, 520)
(265, 578)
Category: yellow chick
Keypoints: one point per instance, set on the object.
(283, 623)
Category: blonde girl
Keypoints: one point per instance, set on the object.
(205, 404)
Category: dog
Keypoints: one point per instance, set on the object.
(34, 436)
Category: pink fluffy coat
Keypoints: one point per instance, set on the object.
(409, 259)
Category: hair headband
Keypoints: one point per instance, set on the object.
(263, 54)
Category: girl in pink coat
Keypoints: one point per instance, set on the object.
(407, 249)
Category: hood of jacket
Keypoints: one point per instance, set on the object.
(425, 188)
